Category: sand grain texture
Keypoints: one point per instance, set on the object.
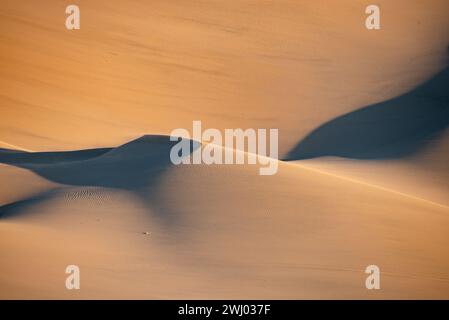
(86, 179)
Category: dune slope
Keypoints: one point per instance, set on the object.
(219, 232)
(362, 113)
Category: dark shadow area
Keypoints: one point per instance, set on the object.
(392, 129)
(17, 156)
(18, 207)
(134, 167)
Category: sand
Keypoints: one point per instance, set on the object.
(85, 177)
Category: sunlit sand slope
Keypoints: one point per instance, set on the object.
(362, 117)
(139, 67)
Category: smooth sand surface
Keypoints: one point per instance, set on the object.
(139, 227)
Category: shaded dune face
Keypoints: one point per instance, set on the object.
(140, 227)
(134, 167)
(394, 128)
(131, 166)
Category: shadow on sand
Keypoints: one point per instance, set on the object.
(392, 129)
(134, 167)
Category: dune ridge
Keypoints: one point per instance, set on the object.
(362, 119)
(137, 148)
(195, 220)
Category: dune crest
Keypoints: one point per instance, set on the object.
(362, 116)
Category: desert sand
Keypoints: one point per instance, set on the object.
(86, 179)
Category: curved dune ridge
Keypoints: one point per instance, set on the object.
(285, 228)
(408, 123)
(362, 118)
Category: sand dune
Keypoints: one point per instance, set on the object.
(408, 124)
(408, 133)
(219, 227)
(86, 179)
(138, 68)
